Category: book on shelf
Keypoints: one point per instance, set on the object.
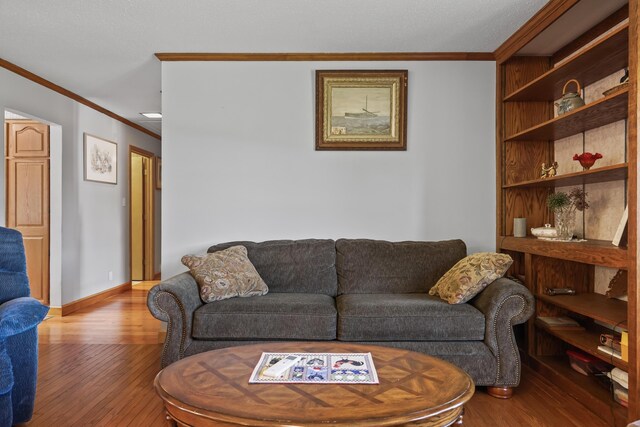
(610, 351)
(621, 233)
(559, 322)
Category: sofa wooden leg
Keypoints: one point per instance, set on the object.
(500, 392)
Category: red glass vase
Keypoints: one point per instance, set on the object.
(587, 159)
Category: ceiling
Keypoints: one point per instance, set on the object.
(103, 50)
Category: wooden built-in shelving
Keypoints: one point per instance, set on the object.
(529, 81)
(587, 341)
(591, 176)
(604, 111)
(597, 252)
(598, 307)
(604, 57)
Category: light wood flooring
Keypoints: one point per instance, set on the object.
(97, 366)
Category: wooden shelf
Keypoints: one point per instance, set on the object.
(585, 340)
(598, 307)
(586, 389)
(597, 252)
(603, 174)
(528, 84)
(602, 112)
(603, 58)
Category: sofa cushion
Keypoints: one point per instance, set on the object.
(376, 266)
(404, 317)
(293, 316)
(470, 276)
(225, 274)
(307, 266)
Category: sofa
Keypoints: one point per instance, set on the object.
(355, 290)
(19, 317)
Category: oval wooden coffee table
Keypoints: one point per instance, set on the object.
(212, 389)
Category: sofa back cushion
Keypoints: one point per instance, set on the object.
(13, 266)
(304, 266)
(377, 266)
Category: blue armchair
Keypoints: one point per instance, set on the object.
(19, 317)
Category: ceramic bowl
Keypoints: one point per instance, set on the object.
(546, 232)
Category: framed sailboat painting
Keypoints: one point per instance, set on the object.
(361, 110)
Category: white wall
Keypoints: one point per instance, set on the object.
(94, 224)
(239, 159)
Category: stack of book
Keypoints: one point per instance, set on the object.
(612, 345)
(620, 380)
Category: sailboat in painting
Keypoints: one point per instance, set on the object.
(366, 115)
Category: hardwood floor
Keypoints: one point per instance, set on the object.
(96, 368)
(97, 365)
(121, 319)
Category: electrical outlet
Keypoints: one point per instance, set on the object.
(111, 276)
(124, 201)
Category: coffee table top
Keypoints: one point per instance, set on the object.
(215, 386)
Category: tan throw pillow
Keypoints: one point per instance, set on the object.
(470, 276)
(225, 274)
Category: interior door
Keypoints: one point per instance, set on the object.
(27, 161)
(141, 214)
(137, 218)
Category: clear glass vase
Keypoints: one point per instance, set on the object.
(565, 223)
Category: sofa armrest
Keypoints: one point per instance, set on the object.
(19, 315)
(504, 303)
(174, 301)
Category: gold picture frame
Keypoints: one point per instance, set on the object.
(361, 109)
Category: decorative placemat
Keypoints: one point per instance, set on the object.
(327, 368)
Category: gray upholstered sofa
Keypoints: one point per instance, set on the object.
(353, 290)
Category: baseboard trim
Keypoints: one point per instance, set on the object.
(91, 299)
(162, 333)
(55, 311)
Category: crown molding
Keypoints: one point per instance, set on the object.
(341, 56)
(56, 88)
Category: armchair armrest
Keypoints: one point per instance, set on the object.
(504, 303)
(174, 301)
(19, 315)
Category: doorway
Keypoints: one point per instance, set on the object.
(141, 236)
(27, 196)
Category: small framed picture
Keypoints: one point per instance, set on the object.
(361, 110)
(100, 160)
(158, 173)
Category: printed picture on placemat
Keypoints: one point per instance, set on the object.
(355, 368)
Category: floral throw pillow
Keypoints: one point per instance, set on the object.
(225, 274)
(470, 276)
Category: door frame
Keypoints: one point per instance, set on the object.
(149, 267)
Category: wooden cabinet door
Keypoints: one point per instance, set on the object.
(27, 139)
(28, 198)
